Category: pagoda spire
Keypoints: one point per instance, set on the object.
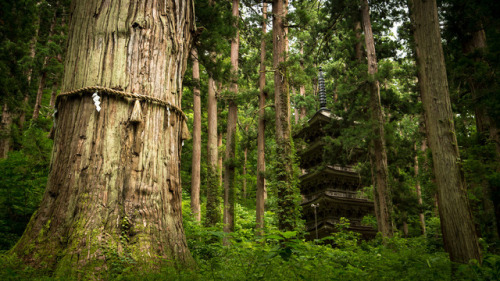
(322, 92)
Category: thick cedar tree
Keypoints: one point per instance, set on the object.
(114, 185)
(459, 236)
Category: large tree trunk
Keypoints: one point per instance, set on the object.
(213, 170)
(287, 211)
(114, 185)
(380, 155)
(196, 160)
(232, 119)
(261, 138)
(460, 239)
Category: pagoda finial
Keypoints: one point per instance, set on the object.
(322, 92)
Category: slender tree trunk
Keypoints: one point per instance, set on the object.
(261, 138)
(287, 213)
(460, 239)
(302, 89)
(381, 170)
(39, 94)
(5, 132)
(114, 186)
(213, 179)
(219, 158)
(43, 76)
(53, 95)
(418, 188)
(196, 160)
(485, 125)
(358, 47)
(232, 119)
(296, 109)
(244, 174)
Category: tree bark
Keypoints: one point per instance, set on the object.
(460, 239)
(213, 181)
(302, 88)
(380, 154)
(261, 130)
(196, 160)
(287, 211)
(114, 186)
(232, 119)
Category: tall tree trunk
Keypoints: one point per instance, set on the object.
(358, 47)
(29, 73)
(5, 131)
(245, 158)
(287, 211)
(219, 158)
(302, 88)
(114, 185)
(213, 180)
(485, 125)
(244, 173)
(418, 188)
(261, 138)
(381, 170)
(39, 93)
(460, 239)
(196, 160)
(232, 119)
(296, 109)
(43, 76)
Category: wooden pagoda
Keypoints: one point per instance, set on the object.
(329, 191)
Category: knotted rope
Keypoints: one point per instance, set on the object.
(124, 95)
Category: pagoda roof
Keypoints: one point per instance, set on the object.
(326, 227)
(319, 119)
(331, 198)
(335, 170)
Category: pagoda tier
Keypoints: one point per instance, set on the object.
(340, 178)
(330, 206)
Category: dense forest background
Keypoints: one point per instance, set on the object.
(320, 34)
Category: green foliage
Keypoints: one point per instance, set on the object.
(22, 182)
(279, 255)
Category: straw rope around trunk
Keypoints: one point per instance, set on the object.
(124, 95)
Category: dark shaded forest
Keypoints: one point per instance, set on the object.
(164, 140)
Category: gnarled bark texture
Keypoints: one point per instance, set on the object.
(460, 239)
(114, 186)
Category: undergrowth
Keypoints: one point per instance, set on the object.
(279, 255)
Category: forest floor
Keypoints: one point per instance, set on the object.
(285, 256)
